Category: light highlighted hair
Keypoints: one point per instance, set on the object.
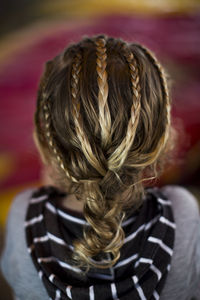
(103, 122)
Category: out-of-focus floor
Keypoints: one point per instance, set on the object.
(31, 37)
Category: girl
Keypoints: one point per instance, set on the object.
(96, 229)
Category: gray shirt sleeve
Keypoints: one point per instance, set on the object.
(16, 264)
(183, 281)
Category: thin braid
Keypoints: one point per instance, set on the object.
(51, 141)
(119, 155)
(86, 147)
(163, 81)
(104, 113)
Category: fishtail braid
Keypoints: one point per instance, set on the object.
(104, 113)
(105, 235)
(119, 155)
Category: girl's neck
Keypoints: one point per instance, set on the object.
(72, 203)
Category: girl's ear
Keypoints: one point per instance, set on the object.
(46, 170)
(39, 148)
(46, 175)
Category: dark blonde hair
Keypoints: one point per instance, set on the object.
(103, 123)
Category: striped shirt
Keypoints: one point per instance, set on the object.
(145, 259)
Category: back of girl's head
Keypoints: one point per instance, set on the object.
(102, 122)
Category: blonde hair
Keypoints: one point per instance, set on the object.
(103, 122)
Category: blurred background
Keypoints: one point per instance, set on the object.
(32, 32)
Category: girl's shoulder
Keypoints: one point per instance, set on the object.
(15, 225)
(186, 254)
(183, 201)
(15, 262)
(18, 209)
(21, 201)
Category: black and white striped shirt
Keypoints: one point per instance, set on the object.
(145, 257)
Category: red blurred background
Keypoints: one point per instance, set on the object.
(34, 31)
(171, 30)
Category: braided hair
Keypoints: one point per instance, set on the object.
(103, 122)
